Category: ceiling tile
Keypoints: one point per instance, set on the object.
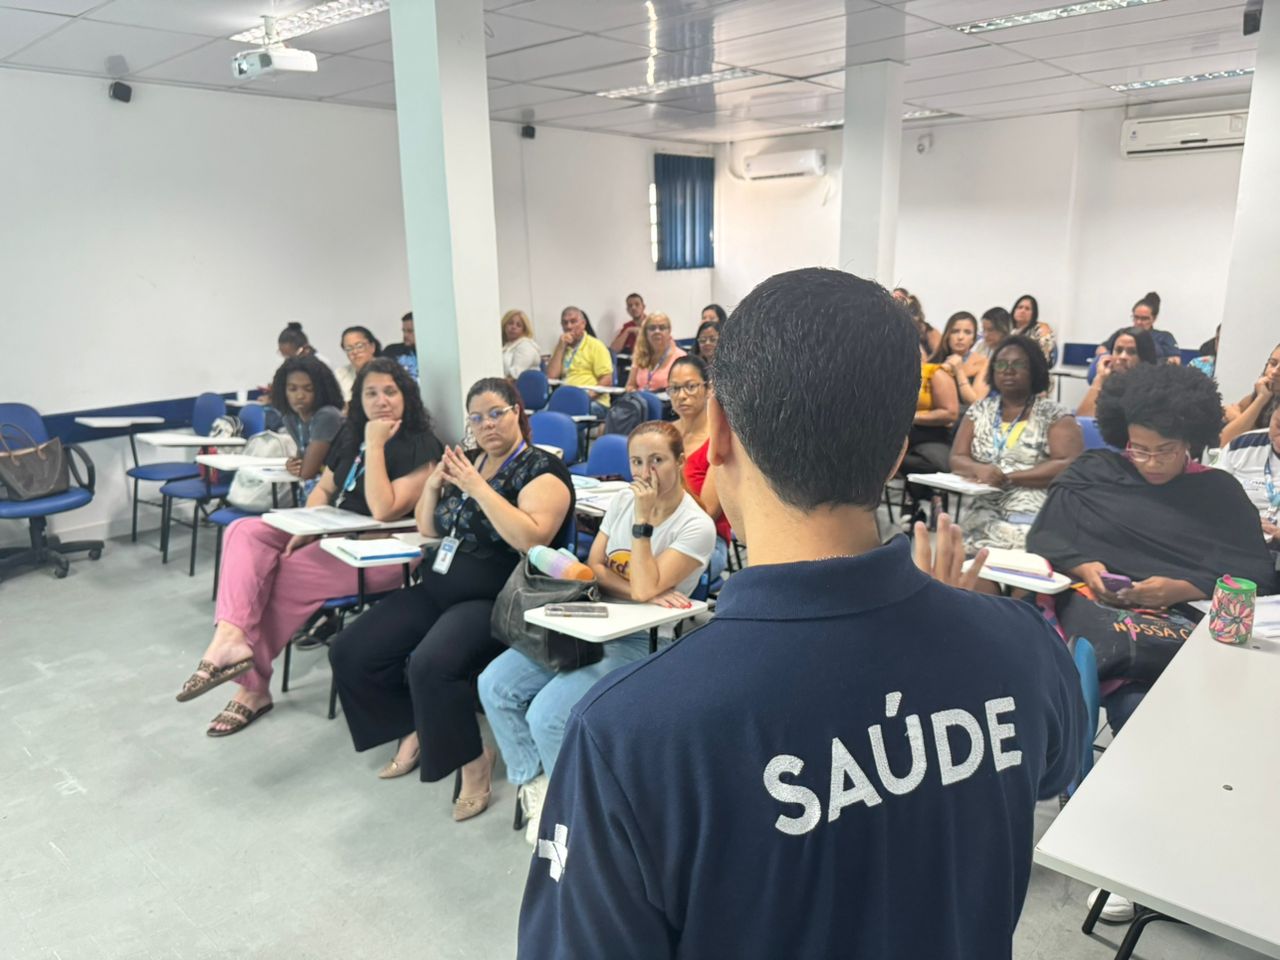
(1149, 13)
(503, 34)
(218, 19)
(726, 22)
(84, 46)
(1211, 47)
(207, 66)
(714, 91)
(595, 17)
(383, 95)
(561, 56)
(951, 12)
(633, 114)
(348, 36)
(337, 75)
(377, 51)
(1017, 73)
(923, 44)
(1207, 24)
(578, 106)
(1213, 91)
(961, 61)
(21, 27)
(743, 130)
(523, 95)
(1023, 106)
(796, 41)
(69, 8)
(958, 101)
(1175, 68)
(635, 73)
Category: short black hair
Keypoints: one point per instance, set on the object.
(1146, 343)
(408, 316)
(416, 419)
(636, 295)
(704, 325)
(822, 417)
(1037, 364)
(328, 393)
(691, 360)
(1176, 402)
(718, 310)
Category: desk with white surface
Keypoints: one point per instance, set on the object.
(624, 619)
(163, 439)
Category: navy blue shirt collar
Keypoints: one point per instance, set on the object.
(814, 589)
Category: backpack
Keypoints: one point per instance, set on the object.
(222, 427)
(627, 413)
(250, 493)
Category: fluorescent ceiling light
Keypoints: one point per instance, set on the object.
(1044, 16)
(702, 79)
(1189, 78)
(918, 113)
(315, 18)
(823, 124)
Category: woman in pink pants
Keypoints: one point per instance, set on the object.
(271, 583)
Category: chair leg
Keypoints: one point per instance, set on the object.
(518, 822)
(1130, 941)
(457, 785)
(217, 561)
(166, 513)
(333, 696)
(195, 529)
(1091, 919)
(284, 673)
(133, 537)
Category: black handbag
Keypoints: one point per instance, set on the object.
(34, 471)
(1129, 644)
(527, 589)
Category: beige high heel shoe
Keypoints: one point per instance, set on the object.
(395, 768)
(464, 808)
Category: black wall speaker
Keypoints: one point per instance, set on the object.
(528, 131)
(120, 91)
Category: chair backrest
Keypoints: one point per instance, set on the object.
(1086, 661)
(25, 417)
(608, 457)
(571, 401)
(556, 430)
(253, 418)
(532, 385)
(652, 402)
(701, 590)
(208, 408)
(1092, 372)
(1092, 437)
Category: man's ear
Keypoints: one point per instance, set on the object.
(719, 435)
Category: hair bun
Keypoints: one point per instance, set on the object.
(1152, 297)
(293, 325)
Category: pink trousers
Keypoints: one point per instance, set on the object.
(270, 596)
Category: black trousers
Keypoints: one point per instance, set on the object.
(441, 627)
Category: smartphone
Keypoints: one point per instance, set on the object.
(576, 610)
(1115, 582)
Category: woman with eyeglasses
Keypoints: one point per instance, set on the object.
(271, 584)
(1015, 439)
(360, 346)
(689, 390)
(708, 338)
(654, 354)
(487, 507)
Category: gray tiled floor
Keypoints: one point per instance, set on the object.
(126, 833)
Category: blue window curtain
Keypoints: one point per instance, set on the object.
(686, 210)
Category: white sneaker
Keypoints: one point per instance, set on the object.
(1117, 910)
(532, 795)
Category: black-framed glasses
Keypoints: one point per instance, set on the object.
(707, 341)
(1138, 455)
(677, 389)
(1008, 366)
(493, 416)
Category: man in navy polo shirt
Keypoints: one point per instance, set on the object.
(843, 763)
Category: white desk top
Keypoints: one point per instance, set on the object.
(319, 521)
(115, 423)
(585, 418)
(952, 483)
(238, 461)
(1020, 582)
(623, 620)
(189, 440)
(554, 451)
(1077, 373)
(269, 474)
(1154, 820)
(333, 546)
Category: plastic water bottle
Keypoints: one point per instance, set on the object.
(559, 564)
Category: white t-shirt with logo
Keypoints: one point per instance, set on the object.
(688, 530)
(1248, 464)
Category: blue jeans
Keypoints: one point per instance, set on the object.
(719, 560)
(528, 705)
(1121, 702)
(598, 409)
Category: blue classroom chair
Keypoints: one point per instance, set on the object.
(533, 388)
(22, 427)
(556, 430)
(207, 408)
(608, 458)
(652, 402)
(1092, 436)
(571, 401)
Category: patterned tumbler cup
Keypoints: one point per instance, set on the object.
(1231, 616)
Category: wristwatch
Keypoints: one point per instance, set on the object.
(641, 530)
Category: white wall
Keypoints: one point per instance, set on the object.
(1045, 205)
(573, 228)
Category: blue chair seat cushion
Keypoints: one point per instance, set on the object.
(164, 472)
(44, 506)
(194, 489)
(225, 516)
(342, 603)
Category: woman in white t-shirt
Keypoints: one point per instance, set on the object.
(653, 545)
(519, 350)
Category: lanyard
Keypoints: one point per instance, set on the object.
(569, 356)
(1272, 496)
(466, 496)
(353, 475)
(1000, 437)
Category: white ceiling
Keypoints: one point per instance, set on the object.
(548, 58)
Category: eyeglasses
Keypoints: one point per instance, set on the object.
(1155, 456)
(1010, 366)
(677, 389)
(655, 328)
(707, 341)
(493, 416)
(360, 347)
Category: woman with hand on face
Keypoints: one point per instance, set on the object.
(1125, 349)
(957, 354)
(1254, 411)
(654, 354)
(360, 346)
(271, 583)
(489, 506)
(1015, 439)
(310, 402)
(1026, 321)
(653, 545)
(689, 388)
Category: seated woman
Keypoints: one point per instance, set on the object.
(360, 346)
(996, 325)
(1016, 439)
(404, 669)
(708, 337)
(929, 442)
(1254, 411)
(653, 545)
(519, 350)
(1151, 514)
(1124, 350)
(689, 391)
(654, 354)
(958, 357)
(1255, 463)
(309, 400)
(271, 583)
(1026, 321)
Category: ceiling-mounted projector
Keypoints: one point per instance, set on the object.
(273, 57)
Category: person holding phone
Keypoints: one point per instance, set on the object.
(653, 545)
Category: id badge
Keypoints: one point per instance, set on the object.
(444, 555)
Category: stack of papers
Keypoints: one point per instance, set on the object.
(953, 482)
(1019, 562)
(383, 548)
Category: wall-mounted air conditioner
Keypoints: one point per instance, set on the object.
(1153, 136)
(794, 163)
